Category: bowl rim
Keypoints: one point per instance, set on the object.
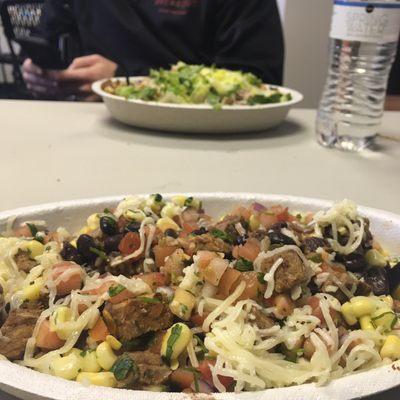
(297, 97)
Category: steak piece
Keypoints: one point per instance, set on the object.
(261, 320)
(192, 244)
(134, 317)
(23, 261)
(152, 371)
(290, 273)
(17, 329)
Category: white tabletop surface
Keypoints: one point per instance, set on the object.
(57, 151)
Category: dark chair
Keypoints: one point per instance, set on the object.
(19, 19)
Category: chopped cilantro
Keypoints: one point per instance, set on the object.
(116, 289)
(98, 252)
(188, 202)
(123, 366)
(32, 227)
(150, 300)
(203, 348)
(157, 198)
(175, 333)
(196, 376)
(84, 352)
(226, 237)
(260, 277)
(184, 309)
(244, 265)
(317, 258)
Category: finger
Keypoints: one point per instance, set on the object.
(29, 66)
(70, 75)
(41, 90)
(83, 62)
(38, 80)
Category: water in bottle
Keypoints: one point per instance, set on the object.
(363, 46)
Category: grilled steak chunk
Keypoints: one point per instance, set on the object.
(134, 317)
(23, 261)
(17, 329)
(152, 371)
(289, 274)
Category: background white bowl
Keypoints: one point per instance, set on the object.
(31, 385)
(200, 118)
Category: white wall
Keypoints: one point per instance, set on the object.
(4, 48)
(306, 25)
(282, 6)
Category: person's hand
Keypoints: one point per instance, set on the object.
(76, 80)
(37, 80)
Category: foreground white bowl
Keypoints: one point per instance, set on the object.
(195, 118)
(32, 385)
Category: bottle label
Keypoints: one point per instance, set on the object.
(366, 22)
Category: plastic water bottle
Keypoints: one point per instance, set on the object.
(363, 46)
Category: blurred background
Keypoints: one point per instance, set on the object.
(306, 27)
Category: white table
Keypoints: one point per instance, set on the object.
(58, 151)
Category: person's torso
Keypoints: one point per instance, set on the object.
(147, 33)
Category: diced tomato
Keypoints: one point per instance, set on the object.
(122, 222)
(253, 286)
(73, 277)
(154, 279)
(100, 331)
(189, 227)
(47, 339)
(214, 270)
(282, 213)
(82, 308)
(129, 243)
(23, 231)
(101, 289)
(182, 378)
(249, 250)
(313, 302)
(197, 319)
(228, 279)
(206, 374)
(267, 220)
(161, 253)
(190, 215)
(120, 297)
(242, 212)
(205, 257)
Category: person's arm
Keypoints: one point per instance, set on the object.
(249, 37)
(58, 18)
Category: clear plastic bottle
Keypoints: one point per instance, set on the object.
(363, 46)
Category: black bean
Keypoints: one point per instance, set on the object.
(201, 231)
(111, 243)
(394, 276)
(311, 244)
(84, 244)
(279, 238)
(70, 253)
(108, 225)
(240, 240)
(278, 226)
(313, 287)
(132, 227)
(353, 262)
(377, 278)
(171, 233)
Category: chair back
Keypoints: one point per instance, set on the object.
(20, 17)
